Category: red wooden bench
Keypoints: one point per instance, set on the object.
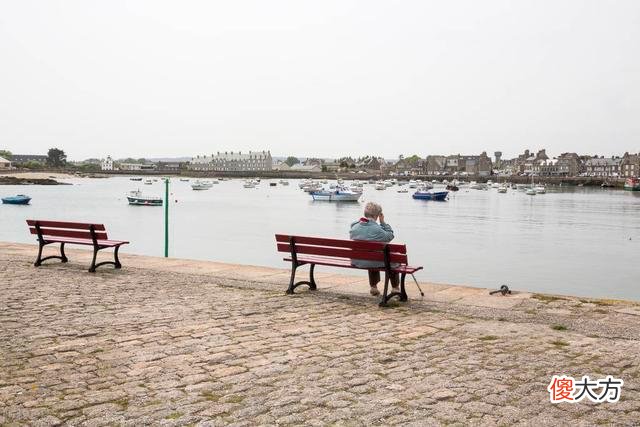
(339, 253)
(76, 233)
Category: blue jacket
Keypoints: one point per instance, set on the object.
(372, 231)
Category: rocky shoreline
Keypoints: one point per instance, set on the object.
(13, 180)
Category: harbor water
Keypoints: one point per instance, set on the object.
(571, 240)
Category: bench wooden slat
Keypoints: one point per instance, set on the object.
(59, 232)
(343, 263)
(351, 244)
(348, 254)
(88, 242)
(70, 225)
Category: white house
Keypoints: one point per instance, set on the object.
(107, 164)
(4, 163)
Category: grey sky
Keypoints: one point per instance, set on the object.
(326, 78)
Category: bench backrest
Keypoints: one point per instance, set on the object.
(347, 249)
(77, 230)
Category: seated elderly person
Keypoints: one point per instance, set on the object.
(367, 228)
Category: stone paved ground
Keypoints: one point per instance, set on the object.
(159, 345)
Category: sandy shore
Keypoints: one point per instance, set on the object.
(178, 342)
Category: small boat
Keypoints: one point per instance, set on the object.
(431, 195)
(283, 182)
(426, 186)
(273, 184)
(148, 182)
(136, 178)
(249, 184)
(20, 199)
(632, 184)
(530, 191)
(502, 189)
(184, 179)
(452, 187)
(138, 199)
(380, 186)
(201, 185)
(403, 190)
(340, 194)
(540, 189)
(413, 184)
(477, 185)
(607, 184)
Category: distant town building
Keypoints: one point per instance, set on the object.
(252, 161)
(26, 158)
(435, 165)
(630, 165)
(569, 164)
(4, 163)
(280, 166)
(498, 157)
(107, 164)
(299, 167)
(603, 167)
(371, 164)
(171, 166)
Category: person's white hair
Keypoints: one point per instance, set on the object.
(372, 210)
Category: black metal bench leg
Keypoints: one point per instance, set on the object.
(385, 299)
(312, 281)
(115, 257)
(403, 292)
(293, 278)
(63, 257)
(39, 258)
(92, 269)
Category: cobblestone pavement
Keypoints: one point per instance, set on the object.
(151, 346)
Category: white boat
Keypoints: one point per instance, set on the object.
(250, 184)
(356, 189)
(530, 192)
(380, 186)
(403, 190)
(426, 186)
(283, 182)
(502, 189)
(477, 185)
(201, 185)
(388, 183)
(340, 194)
(215, 181)
(136, 198)
(413, 184)
(540, 189)
(148, 182)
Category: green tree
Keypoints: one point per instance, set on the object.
(292, 161)
(56, 158)
(6, 154)
(32, 164)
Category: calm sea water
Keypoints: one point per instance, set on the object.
(574, 241)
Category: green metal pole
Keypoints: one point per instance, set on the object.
(166, 218)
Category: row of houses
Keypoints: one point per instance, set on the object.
(528, 163)
(571, 165)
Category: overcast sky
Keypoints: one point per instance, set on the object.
(325, 78)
